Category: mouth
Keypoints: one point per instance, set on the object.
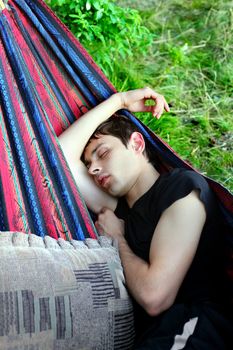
(103, 180)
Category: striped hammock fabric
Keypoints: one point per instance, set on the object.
(47, 81)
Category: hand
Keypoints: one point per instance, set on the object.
(109, 224)
(134, 101)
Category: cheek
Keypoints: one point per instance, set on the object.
(123, 166)
(119, 162)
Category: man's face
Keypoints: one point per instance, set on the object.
(113, 167)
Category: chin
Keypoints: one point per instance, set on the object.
(113, 192)
(119, 193)
(116, 191)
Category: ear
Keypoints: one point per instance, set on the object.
(137, 142)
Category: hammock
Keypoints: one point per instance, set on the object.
(47, 80)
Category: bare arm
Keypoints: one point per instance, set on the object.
(155, 284)
(74, 139)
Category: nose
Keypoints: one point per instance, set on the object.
(94, 169)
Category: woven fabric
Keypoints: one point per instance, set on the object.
(61, 295)
(47, 80)
(38, 101)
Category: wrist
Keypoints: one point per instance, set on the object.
(118, 100)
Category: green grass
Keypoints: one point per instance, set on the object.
(191, 63)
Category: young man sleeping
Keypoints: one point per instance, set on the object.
(168, 227)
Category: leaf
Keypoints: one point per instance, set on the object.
(96, 5)
(88, 6)
(61, 2)
(99, 14)
(72, 15)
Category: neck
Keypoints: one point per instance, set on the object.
(145, 180)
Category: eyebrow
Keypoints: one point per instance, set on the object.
(86, 161)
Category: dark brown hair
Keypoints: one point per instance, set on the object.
(122, 128)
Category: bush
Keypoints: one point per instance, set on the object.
(110, 33)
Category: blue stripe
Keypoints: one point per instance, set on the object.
(27, 178)
(89, 76)
(38, 25)
(4, 226)
(44, 68)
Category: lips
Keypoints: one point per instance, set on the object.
(103, 180)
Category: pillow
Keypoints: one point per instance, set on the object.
(62, 295)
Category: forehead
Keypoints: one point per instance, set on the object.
(102, 140)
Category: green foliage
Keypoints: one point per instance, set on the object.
(110, 33)
(191, 64)
(183, 49)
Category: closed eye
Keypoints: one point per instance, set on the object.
(102, 153)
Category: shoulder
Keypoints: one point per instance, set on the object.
(179, 183)
(185, 177)
(181, 179)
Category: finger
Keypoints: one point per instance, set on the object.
(157, 115)
(103, 210)
(153, 111)
(150, 94)
(99, 228)
(147, 109)
(163, 104)
(98, 225)
(166, 106)
(157, 111)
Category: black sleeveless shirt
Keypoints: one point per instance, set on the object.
(205, 277)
